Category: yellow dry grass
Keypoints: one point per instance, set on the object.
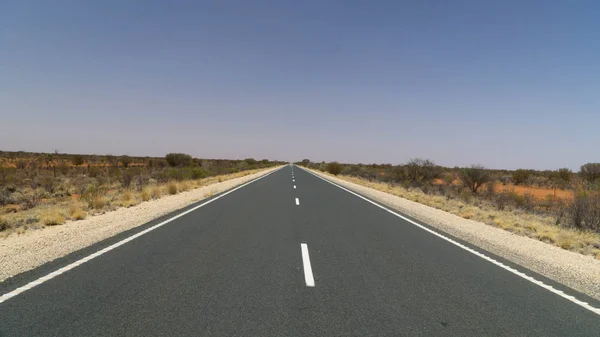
(60, 209)
(52, 217)
(128, 199)
(146, 194)
(75, 212)
(535, 226)
(157, 192)
(172, 188)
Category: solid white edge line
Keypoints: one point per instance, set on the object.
(297, 201)
(81, 261)
(308, 274)
(472, 251)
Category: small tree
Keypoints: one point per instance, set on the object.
(562, 177)
(334, 168)
(590, 172)
(474, 177)
(178, 159)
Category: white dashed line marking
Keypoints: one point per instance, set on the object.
(308, 274)
(294, 186)
(297, 201)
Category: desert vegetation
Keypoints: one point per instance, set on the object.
(559, 207)
(47, 189)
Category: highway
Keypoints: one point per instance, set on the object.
(286, 255)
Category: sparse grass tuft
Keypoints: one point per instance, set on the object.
(52, 218)
(146, 194)
(172, 187)
(75, 212)
(128, 199)
(564, 241)
(156, 192)
(184, 186)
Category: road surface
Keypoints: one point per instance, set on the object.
(287, 255)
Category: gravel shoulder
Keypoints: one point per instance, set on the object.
(574, 270)
(23, 252)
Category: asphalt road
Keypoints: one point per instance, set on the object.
(235, 267)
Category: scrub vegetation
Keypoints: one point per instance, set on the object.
(47, 189)
(557, 207)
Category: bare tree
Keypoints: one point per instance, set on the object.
(474, 177)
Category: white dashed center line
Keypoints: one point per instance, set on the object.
(294, 186)
(308, 274)
(297, 201)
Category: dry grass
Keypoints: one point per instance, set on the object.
(128, 199)
(184, 186)
(146, 194)
(52, 217)
(522, 223)
(172, 188)
(55, 213)
(75, 212)
(157, 192)
(98, 202)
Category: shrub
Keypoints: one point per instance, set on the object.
(156, 192)
(127, 199)
(584, 211)
(48, 184)
(474, 177)
(77, 160)
(520, 176)
(590, 172)
(172, 187)
(419, 170)
(32, 198)
(127, 178)
(98, 202)
(175, 174)
(94, 197)
(125, 160)
(178, 159)
(146, 194)
(3, 224)
(94, 171)
(21, 164)
(52, 218)
(63, 168)
(75, 212)
(198, 173)
(334, 168)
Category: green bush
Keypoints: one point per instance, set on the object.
(178, 159)
(520, 176)
(334, 168)
(199, 173)
(175, 174)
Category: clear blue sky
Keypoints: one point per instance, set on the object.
(506, 84)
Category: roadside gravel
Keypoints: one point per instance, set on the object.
(19, 253)
(574, 270)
